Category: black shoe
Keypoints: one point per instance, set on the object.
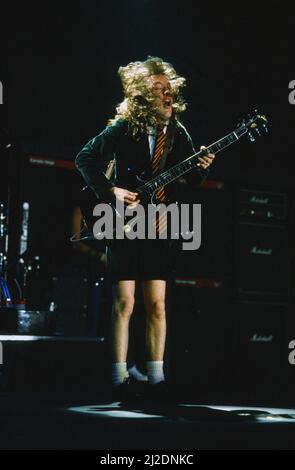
(160, 394)
(130, 390)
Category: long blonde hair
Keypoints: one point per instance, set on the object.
(137, 107)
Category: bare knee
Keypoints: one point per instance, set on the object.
(156, 310)
(123, 307)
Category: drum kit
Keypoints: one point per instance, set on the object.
(13, 288)
(5, 297)
(23, 310)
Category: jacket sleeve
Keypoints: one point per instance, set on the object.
(94, 157)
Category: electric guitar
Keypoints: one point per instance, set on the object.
(251, 127)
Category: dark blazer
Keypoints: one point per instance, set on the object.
(132, 157)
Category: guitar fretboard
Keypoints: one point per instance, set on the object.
(166, 177)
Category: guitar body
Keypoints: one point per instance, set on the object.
(88, 200)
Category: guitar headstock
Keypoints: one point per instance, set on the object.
(254, 126)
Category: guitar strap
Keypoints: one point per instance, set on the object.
(110, 169)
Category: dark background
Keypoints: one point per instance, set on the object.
(59, 69)
(58, 66)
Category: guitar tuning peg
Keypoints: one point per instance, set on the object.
(251, 137)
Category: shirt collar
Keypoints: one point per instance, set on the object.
(153, 130)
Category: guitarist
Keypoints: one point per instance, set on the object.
(144, 138)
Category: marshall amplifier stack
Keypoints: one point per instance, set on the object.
(260, 314)
(229, 322)
(262, 244)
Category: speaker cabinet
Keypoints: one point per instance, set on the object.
(199, 332)
(262, 259)
(70, 298)
(215, 255)
(260, 344)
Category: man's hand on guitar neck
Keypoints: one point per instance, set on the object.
(206, 159)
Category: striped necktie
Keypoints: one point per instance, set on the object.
(160, 223)
(159, 147)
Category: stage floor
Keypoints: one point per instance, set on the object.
(51, 422)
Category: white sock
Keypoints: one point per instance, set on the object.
(119, 372)
(155, 371)
(137, 375)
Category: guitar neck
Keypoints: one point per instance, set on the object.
(166, 177)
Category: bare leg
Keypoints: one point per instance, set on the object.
(154, 301)
(123, 303)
